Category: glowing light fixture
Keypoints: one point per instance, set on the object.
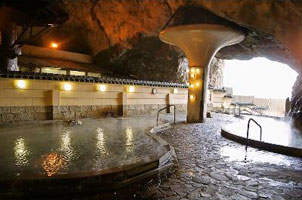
(192, 97)
(193, 70)
(67, 87)
(192, 86)
(102, 88)
(130, 89)
(21, 84)
(54, 45)
(197, 84)
(197, 70)
(175, 91)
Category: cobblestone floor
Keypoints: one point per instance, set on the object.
(211, 167)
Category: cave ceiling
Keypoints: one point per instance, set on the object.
(120, 32)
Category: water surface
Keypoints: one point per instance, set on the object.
(55, 149)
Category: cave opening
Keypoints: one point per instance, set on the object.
(262, 80)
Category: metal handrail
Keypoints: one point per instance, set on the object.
(248, 128)
(164, 109)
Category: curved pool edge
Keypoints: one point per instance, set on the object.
(93, 182)
(275, 148)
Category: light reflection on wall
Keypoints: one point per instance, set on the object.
(129, 139)
(52, 163)
(21, 152)
(66, 147)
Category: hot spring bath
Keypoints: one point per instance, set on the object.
(56, 151)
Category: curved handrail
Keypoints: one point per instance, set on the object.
(248, 128)
(164, 109)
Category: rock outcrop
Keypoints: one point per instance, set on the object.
(98, 26)
(296, 103)
(216, 73)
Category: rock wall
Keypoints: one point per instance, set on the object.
(216, 73)
(296, 103)
(150, 59)
(102, 26)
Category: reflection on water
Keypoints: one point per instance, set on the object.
(57, 150)
(253, 155)
(129, 139)
(52, 163)
(66, 147)
(21, 152)
(100, 146)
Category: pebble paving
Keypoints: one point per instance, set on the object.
(212, 167)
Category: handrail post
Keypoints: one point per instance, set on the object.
(164, 109)
(248, 128)
(174, 114)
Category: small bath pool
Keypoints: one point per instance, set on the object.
(277, 135)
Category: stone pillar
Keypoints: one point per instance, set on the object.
(169, 102)
(200, 42)
(197, 95)
(8, 54)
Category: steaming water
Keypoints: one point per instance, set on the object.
(54, 149)
(274, 131)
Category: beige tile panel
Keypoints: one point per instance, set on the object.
(92, 94)
(179, 101)
(147, 101)
(15, 101)
(107, 101)
(6, 93)
(6, 83)
(160, 90)
(41, 102)
(146, 96)
(180, 96)
(81, 101)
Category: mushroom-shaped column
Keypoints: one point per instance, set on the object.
(200, 43)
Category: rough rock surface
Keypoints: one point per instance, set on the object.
(274, 27)
(296, 103)
(216, 73)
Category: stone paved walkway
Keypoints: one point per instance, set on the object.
(212, 167)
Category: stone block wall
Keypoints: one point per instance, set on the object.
(25, 113)
(87, 111)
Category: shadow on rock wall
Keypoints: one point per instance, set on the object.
(149, 59)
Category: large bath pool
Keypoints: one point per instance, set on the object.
(54, 149)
